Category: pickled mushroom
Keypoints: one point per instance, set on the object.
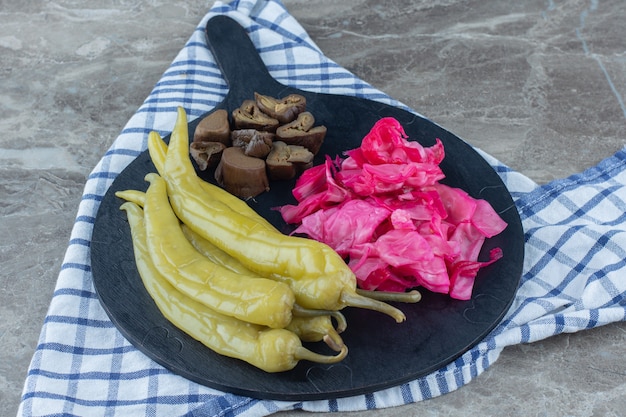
(241, 175)
(253, 142)
(249, 116)
(213, 128)
(206, 154)
(285, 109)
(301, 132)
(285, 162)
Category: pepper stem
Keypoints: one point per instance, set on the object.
(303, 353)
(412, 296)
(333, 340)
(342, 323)
(355, 300)
(300, 311)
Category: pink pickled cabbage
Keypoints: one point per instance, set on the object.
(383, 208)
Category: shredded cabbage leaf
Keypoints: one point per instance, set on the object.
(383, 208)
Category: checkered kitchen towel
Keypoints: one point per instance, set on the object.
(574, 272)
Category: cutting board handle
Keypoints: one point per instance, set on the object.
(238, 59)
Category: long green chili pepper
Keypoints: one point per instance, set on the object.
(308, 325)
(318, 276)
(214, 253)
(249, 298)
(158, 153)
(157, 148)
(203, 246)
(134, 196)
(272, 350)
(206, 248)
(315, 329)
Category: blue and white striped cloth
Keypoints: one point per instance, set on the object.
(574, 272)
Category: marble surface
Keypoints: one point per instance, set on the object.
(539, 84)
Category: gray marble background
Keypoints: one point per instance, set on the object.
(539, 84)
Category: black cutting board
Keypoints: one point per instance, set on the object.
(382, 353)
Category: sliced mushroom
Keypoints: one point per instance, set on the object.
(285, 162)
(213, 128)
(253, 142)
(249, 116)
(285, 109)
(301, 132)
(241, 175)
(206, 154)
